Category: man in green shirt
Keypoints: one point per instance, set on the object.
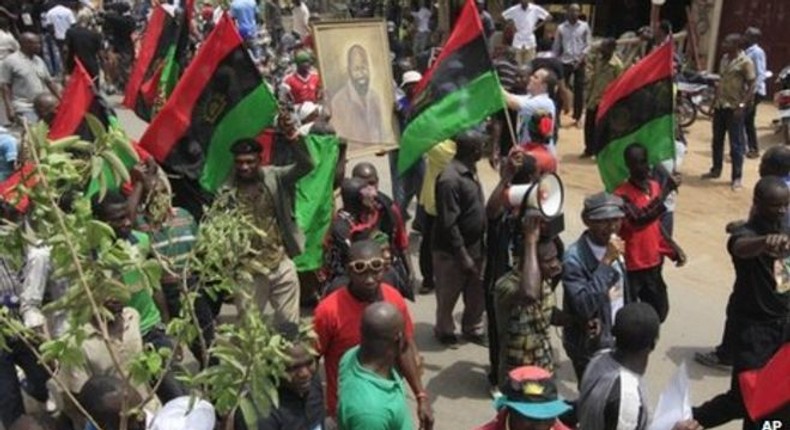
(114, 211)
(372, 394)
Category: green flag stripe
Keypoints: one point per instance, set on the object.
(314, 200)
(456, 112)
(657, 136)
(246, 119)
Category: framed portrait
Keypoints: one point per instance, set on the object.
(356, 73)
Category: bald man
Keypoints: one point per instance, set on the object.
(23, 76)
(45, 105)
(372, 393)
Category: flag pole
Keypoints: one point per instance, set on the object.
(510, 127)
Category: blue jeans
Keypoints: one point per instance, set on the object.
(725, 122)
(18, 354)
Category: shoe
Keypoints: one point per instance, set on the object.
(447, 339)
(711, 359)
(711, 175)
(426, 289)
(477, 338)
(736, 185)
(753, 153)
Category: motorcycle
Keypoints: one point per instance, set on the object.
(782, 101)
(695, 95)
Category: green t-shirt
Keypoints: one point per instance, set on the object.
(142, 299)
(369, 402)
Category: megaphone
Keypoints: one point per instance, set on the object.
(547, 195)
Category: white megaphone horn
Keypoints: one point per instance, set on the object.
(546, 195)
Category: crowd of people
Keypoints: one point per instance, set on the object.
(505, 261)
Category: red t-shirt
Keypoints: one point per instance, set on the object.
(303, 89)
(644, 245)
(337, 321)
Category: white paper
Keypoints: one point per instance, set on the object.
(674, 404)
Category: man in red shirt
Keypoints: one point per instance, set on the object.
(304, 85)
(338, 320)
(646, 243)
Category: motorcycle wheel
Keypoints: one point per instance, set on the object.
(686, 112)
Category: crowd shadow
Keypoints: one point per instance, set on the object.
(461, 380)
(696, 371)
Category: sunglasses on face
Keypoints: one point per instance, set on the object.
(374, 264)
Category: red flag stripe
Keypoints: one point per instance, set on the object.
(174, 119)
(762, 389)
(466, 29)
(77, 98)
(653, 68)
(147, 51)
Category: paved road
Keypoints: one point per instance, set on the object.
(698, 292)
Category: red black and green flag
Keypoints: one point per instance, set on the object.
(764, 395)
(458, 92)
(220, 99)
(161, 59)
(637, 108)
(82, 100)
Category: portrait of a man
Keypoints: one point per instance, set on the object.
(354, 61)
(356, 107)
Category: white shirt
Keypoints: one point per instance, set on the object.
(423, 19)
(529, 105)
(61, 19)
(8, 44)
(525, 21)
(301, 19)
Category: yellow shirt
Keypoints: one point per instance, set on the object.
(736, 78)
(437, 159)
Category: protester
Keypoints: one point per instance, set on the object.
(118, 27)
(529, 401)
(603, 68)
(391, 223)
(173, 234)
(571, 44)
(760, 304)
(645, 242)
(16, 353)
(612, 390)
(104, 398)
(406, 185)
(536, 102)
(594, 281)
(422, 25)
(300, 395)
(338, 319)
(45, 106)
(524, 302)
(113, 210)
(436, 160)
(23, 76)
(58, 20)
(755, 53)
(372, 393)
(265, 194)
(458, 242)
(526, 17)
(301, 19)
(304, 84)
(126, 343)
(734, 94)
(83, 43)
(9, 153)
(35, 422)
(245, 12)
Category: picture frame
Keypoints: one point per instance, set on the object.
(356, 75)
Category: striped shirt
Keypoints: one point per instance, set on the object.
(173, 241)
(9, 285)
